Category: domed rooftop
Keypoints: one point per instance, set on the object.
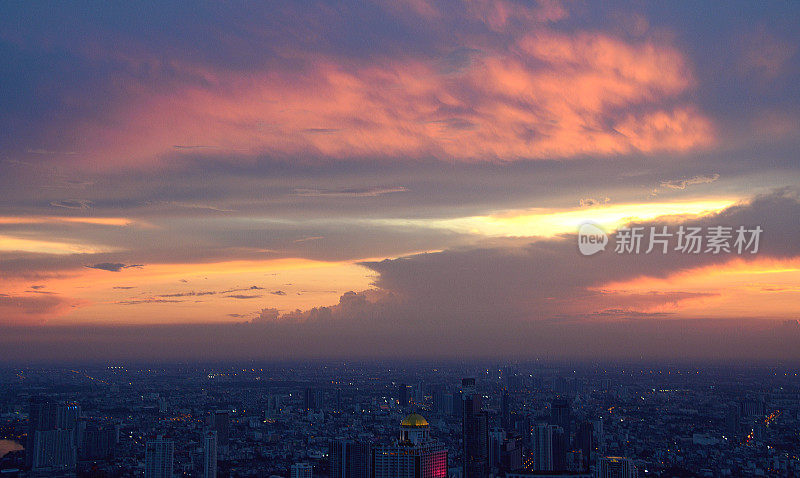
(414, 420)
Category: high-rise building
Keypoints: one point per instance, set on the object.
(97, 442)
(220, 422)
(302, 470)
(584, 440)
(475, 432)
(158, 458)
(312, 399)
(54, 450)
(402, 395)
(542, 447)
(273, 405)
(505, 410)
(496, 438)
(349, 459)
(457, 404)
(442, 402)
(52, 435)
(560, 414)
(414, 455)
(560, 449)
(615, 467)
(511, 455)
(419, 393)
(210, 454)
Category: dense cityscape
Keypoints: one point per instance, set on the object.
(413, 420)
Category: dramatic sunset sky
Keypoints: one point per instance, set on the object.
(398, 178)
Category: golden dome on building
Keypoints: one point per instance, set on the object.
(414, 420)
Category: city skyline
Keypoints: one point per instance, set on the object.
(397, 180)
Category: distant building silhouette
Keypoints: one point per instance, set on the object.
(301, 470)
(220, 422)
(402, 394)
(584, 440)
(349, 459)
(52, 442)
(616, 467)
(542, 446)
(312, 399)
(159, 457)
(561, 414)
(475, 433)
(210, 454)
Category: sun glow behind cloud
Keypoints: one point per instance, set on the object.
(544, 222)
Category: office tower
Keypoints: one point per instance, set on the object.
(419, 394)
(458, 404)
(506, 373)
(219, 421)
(574, 461)
(475, 432)
(52, 435)
(732, 418)
(542, 447)
(54, 450)
(496, 438)
(302, 470)
(752, 408)
(511, 455)
(443, 402)
(349, 459)
(312, 399)
(338, 399)
(584, 440)
(599, 435)
(97, 442)
(402, 394)
(505, 410)
(615, 467)
(525, 428)
(158, 458)
(414, 455)
(560, 414)
(468, 386)
(560, 448)
(272, 406)
(210, 454)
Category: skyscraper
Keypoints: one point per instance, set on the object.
(414, 455)
(302, 470)
(475, 432)
(560, 414)
(210, 454)
(496, 438)
(560, 448)
(219, 421)
(52, 435)
(505, 410)
(349, 459)
(159, 455)
(615, 467)
(542, 447)
(457, 402)
(312, 399)
(402, 394)
(584, 440)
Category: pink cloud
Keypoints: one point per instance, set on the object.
(548, 95)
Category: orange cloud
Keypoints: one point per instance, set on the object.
(550, 95)
(763, 288)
